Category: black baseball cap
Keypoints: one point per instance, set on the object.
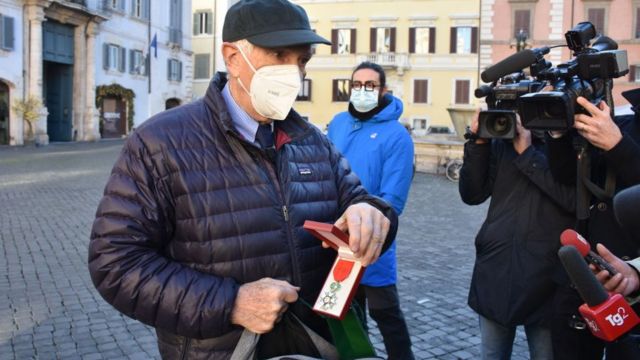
(269, 24)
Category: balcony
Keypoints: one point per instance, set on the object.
(387, 60)
(79, 2)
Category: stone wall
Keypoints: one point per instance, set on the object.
(433, 152)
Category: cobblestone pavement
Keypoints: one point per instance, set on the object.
(49, 308)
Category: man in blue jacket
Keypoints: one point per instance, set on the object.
(380, 152)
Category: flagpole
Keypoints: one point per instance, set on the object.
(149, 49)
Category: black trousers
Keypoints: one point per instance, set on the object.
(384, 309)
(572, 340)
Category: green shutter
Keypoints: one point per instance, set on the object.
(196, 23)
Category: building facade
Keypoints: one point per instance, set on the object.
(208, 18)
(97, 68)
(428, 49)
(544, 22)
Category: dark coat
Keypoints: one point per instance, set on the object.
(516, 246)
(192, 211)
(624, 160)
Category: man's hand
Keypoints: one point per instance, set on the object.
(599, 129)
(261, 304)
(367, 228)
(522, 141)
(625, 281)
(474, 126)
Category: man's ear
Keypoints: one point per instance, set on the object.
(231, 56)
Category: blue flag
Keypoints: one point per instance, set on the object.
(154, 45)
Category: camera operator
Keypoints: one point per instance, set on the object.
(615, 165)
(516, 246)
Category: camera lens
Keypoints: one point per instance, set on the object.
(553, 110)
(499, 125)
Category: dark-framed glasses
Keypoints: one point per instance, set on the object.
(368, 85)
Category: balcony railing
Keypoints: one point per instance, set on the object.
(387, 59)
(79, 2)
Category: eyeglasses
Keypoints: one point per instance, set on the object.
(368, 85)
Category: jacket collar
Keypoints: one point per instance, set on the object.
(292, 127)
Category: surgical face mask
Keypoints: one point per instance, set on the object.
(274, 89)
(364, 101)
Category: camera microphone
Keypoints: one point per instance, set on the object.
(513, 63)
(608, 316)
(572, 238)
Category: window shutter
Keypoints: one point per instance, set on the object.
(372, 39)
(131, 65)
(334, 41)
(7, 27)
(147, 64)
(432, 40)
(420, 88)
(123, 60)
(353, 43)
(412, 40)
(209, 28)
(121, 5)
(145, 9)
(453, 41)
(392, 43)
(637, 34)
(179, 70)
(132, 10)
(474, 40)
(596, 16)
(309, 89)
(334, 96)
(632, 73)
(168, 69)
(196, 23)
(105, 56)
(522, 20)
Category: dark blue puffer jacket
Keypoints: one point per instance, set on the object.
(192, 210)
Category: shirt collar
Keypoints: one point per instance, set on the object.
(245, 124)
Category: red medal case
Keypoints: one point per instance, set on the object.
(343, 279)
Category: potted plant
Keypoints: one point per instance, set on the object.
(30, 109)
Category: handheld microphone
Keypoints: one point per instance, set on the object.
(626, 206)
(608, 316)
(571, 238)
(513, 63)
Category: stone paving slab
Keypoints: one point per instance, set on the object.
(49, 308)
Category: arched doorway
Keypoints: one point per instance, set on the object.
(4, 113)
(116, 110)
(171, 103)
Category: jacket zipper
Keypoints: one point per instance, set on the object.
(285, 213)
(187, 342)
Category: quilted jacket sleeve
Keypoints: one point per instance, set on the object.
(126, 258)
(350, 192)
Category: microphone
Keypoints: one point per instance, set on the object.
(513, 63)
(626, 206)
(608, 316)
(571, 238)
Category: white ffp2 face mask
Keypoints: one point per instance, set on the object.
(364, 101)
(274, 89)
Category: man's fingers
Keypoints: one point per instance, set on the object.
(613, 282)
(606, 254)
(354, 223)
(290, 295)
(592, 109)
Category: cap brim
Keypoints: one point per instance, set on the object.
(284, 38)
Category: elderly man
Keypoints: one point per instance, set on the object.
(199, 230)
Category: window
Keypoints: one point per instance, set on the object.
(201, 66)
(117, 5)
(140, 8)
(522, 22)
(114, 57)
(422, 40)
(383, 40)
(136, 63)
(637, 20)
(341, 90)
(420, 91)
(343, 41)
(464, 40)
(462, 91)
(634, 73)
(174, 70)
(175, 22)
(202, 22)
(6, 32)
(305, 91)
(420, 124)
(596, 17)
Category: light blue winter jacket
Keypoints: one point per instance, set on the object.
(380, 152)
